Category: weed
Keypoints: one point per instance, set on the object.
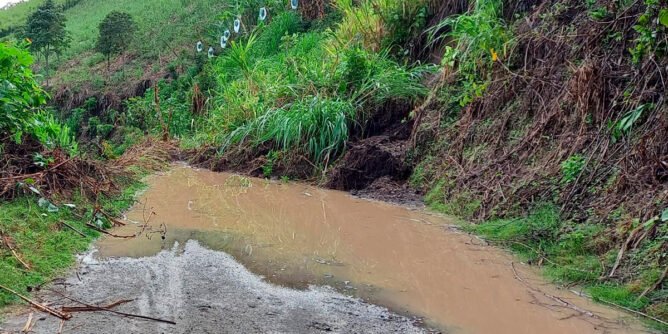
(481, 38)
(647, 28)
(625, 125)
(571, 168)
(317, 126)
(43, 242)
(268, 167)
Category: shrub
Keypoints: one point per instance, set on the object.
(480, 36)
(571, 168)
(317, 126)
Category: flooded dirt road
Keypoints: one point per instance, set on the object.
(298, 237)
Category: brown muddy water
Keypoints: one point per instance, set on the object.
(410, 261)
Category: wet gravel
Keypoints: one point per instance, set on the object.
(204, 291)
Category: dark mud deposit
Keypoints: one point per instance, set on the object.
(205, 291)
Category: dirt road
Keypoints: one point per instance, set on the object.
(302, 239)
(204, 291)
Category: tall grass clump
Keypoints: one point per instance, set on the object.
(284, 24)
(380, 24)
(315, 126)
(481, 37)
(302, 91)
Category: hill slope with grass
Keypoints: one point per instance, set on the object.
(543, 122)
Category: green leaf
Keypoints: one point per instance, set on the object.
(664, 215)
(663, 17)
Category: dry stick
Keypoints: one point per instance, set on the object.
(73, 309)
(110, 217)
(623, 249)
(28, 327)
(582, 294)
(39, 306)
(554, 298)
(17, 177)
(115, 312)
(13, 251)
(60, 328)
(108, 233)
(655, 285)
(72, 228)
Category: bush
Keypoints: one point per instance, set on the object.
(20, 95)
(317, 126)
(22, 101)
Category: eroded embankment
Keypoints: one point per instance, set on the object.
(412, 262)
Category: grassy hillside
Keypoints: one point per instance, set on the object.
(154, 46)
(17, 13)
(167, 33)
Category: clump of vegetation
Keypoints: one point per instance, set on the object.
(482, 38)
(45, 29)
(22, 104)
(310, 109)
(116, 32)
(572, 167)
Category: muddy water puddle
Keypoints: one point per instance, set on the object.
(407, 260)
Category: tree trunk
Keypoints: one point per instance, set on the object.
(46, 60)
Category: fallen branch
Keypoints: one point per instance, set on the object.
(72, 228)
(26, 176)
(74, 309)
(60, 328)
(8, 244)
(110, 217)
(41, 307)
(29, 324)
(131, 315)
(655, 285)
(108, 233)
(554, 298)
(623, 249)
(642, 314)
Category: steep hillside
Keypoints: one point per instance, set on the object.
(82, 73)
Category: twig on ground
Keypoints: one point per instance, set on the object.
(16, 255)
(73, 309)
(72, 228)
(25, 176)
(60, 328)
(109, 233)
(642, 314)
(39, 306)
(622, 250)
(656, 284)
(110, 217)
(131, 315)
(560, 301)
(28, 327)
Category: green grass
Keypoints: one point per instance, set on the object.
(573, 254)
(46, 245)
(18, 13)
(300, 91)
(188, 22)
(185, 21)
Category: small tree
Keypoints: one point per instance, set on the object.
(46, 29)
(116, 32)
